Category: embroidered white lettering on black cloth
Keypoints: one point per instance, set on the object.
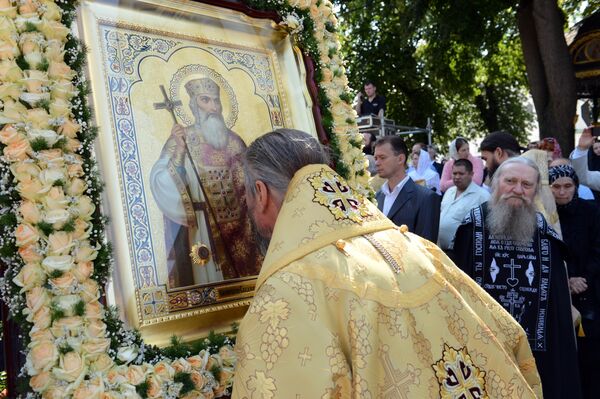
(518, 277)
(530, 281)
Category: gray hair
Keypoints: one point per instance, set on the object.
(516, 160)
(275, 157)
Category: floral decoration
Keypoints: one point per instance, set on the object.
(52, 236)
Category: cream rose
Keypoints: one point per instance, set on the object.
(92, 389)
(39, 336)
(55, 199)
(55, 392)
(29, 276)
(95, 329)
(71, 365)
(52, 12)
(12, 111)
(42, 356)
(10, 90)
(55, 50)
(85, 253)
(64, 283)
(60, 243)
(154, 387)
(228, 356)
(75, 170)
(198, 380)
(96, 346)
(63, 90)
(8, 30)
(69, 128)
(57, 217)
(53, 158)
(77, 187)
(94, 310)
(84, 208)
(40, 381)
(25, 235)
(82, 230)
(38, 117)
(83, 270)
(41, 319)
(67, 326)
(25, 170)
(181, 366)
(127, 354)
(9, 71)
(62, 263)
(102, 364)
(60, 70)
(54, 30)
(30, 253)
(73, 145)
(34, 58)
(9, 134)
(27, 7)
(30, 212)
(60, 108)
(89, 290)
(135, 375)
(116, 376)
(8, 50)
(164, 371)
(30, 42)
(198, 361)
(17, 150)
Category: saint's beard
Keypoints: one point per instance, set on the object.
(517, 223)
(213, 128)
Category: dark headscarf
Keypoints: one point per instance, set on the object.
(593, 159)
(556, 172)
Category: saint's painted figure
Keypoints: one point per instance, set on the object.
(198, 184)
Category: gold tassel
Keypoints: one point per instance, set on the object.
(580, 332)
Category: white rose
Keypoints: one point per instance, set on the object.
(34, 58)
(50, 175)
(127, 353)
(57, 216)
(84, 207)
(62, 263)
(50, 136)
(67, 302)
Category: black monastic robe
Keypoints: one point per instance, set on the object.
(532, 284)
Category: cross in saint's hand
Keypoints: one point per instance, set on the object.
(168, 104)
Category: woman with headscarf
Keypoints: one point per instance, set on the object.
(581, 234)
(594, 162)
(422, 173)
(459, 149)
(552, 148)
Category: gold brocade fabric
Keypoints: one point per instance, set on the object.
(349, 306)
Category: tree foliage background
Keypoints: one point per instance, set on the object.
(459, 62)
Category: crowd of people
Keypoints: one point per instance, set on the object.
(523, 224)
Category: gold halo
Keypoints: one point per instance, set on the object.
(177, 92)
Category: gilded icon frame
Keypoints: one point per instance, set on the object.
(162, 29)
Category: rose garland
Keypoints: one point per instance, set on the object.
(52, 232)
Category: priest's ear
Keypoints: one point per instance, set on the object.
(261, 197)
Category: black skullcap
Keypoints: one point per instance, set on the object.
(556, 172)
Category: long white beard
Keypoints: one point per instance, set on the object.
(214, 131)
(512, 223)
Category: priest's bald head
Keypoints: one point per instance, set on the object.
(270, 163)
(512, 210)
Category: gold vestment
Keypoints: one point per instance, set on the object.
(348, 305)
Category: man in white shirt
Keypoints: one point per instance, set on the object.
(458, 201)
(579, 159)
(400, 198)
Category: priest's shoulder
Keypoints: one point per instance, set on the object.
(474, 213)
